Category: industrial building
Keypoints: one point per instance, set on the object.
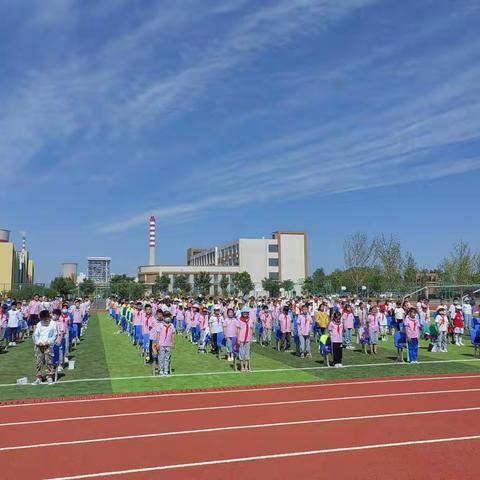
(281, 257)
(98, 270)
(69, 270)
(16, 266)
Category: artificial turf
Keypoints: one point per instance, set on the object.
(108, 362)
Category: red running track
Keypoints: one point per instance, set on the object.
(421, 427)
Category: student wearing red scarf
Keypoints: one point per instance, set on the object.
(335, 328)
(245, 328)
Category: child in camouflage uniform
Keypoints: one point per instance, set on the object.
(44, 338)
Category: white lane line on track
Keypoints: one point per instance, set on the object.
(237, 406)
(244, 390)
(237, 427)
(270, 457)
(272, 370)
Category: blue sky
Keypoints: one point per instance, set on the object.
(228, 119)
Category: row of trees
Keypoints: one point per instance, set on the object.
(239, 283)
(65, 287)
(381, 265)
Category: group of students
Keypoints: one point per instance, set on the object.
(54, 325)
(234, 325)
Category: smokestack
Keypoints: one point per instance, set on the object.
(152, 241)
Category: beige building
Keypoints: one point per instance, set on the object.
(16, 267)
(280, 257)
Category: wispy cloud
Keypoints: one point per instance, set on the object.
(109, 93)
(415, 138)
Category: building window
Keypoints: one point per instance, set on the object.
(273, 262)
(272, 248)
(273, 275)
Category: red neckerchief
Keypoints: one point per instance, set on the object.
(414, 320)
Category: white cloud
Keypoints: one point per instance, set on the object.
(404, 142)
(109, 94)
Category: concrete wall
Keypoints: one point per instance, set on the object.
(293, 257)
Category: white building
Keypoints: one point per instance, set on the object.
(281, 257)
(99, 270)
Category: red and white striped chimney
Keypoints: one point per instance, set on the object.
(152, 240)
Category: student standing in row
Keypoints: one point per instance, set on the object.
(166, 342)
(245, 327)
(304, 329)
(335, 328)
(412, 330)
(285, 321)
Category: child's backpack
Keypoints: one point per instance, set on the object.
(278, 332)
(259, 328)
(325, 345)
(433, 332)
(475, 335)
(364, 336)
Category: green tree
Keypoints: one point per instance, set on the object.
(63, 286)
(459, 267)
(136, 290)
(287, 285)
(242, 282)
(373, 279)
(120, 279)
(308, 286)
(359, 253)
(182, 284)
(203, 282)
(125, 287)
(161, 285)
(410, 272)
(87, 287)
(271, 286)
(389, 253)
(336, 280)
(224, 284)
(26, 291)
(319, 278)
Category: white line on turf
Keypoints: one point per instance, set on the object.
(236, 406)
(270, 457)
(272, 370)
(244, 390)
(236, 428)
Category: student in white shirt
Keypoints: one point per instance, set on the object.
(14, 318)
(467, 314)
(44, 337)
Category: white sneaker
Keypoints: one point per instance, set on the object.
(38, 381)
(10, 344)
(15, 344)
(50, 380)
(60, 368)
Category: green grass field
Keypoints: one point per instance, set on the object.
(107, 363)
